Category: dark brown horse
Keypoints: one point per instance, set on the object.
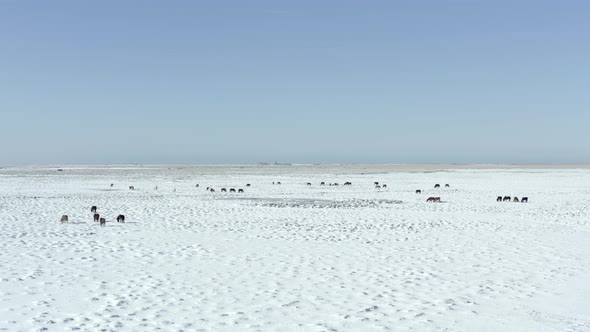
(347, 183)
(120, 218)
(232, 190)
(418, 191)
(64, 218)
(437, 185)
(93, 209)
(240, 190)
(515, 199)
(447, 186)
(524, 200)
(506, 199)
(499, 199)
(433, 199)
(96, 216)
(103, 221)
(223, 190)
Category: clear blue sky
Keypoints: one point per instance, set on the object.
(95, 82)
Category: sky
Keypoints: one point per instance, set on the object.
(215, 82)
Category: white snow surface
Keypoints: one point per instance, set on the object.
(294, 257)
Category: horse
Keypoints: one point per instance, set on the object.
(418, 191)
(347, 183)
(93, 209)
(103, 221)
(322, 184)
(223, 190)
(64, 218)
(309, 184)
(447, 186)
(499, 199)
(197, 186)
(335, 183)
(515, 199)
(120, 218)
(279, 182)
(212, 190)
(437, 186)
(377, 187)
(240, 190)
(112, 184)
(384, 186)
(433, 199)
(524, 200)
(232, 190)
(131, 188)
(96, 216)
(506, 199)
(376, 183)
(247, 185)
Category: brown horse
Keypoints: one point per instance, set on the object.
(418, 191)
(347, 183)
(120, 218)
(506, 199)
(524, 200)
(93, 209)
(515, 199)
(309, 183)
(103, 221)
(64, 218)
(383, 186)
(96, 216)
(322, 184)
(223, 190)
(447, 186)
(240, 190)
(499, 199)
(437, 186)
(433, 199)
(232, 190)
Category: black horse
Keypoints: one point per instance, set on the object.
(120, 218)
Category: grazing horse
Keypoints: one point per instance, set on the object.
(309, 184)
(447, 186)
(376, 183)
(247, 185)
(212, 190)
(131, 188)
(223, 190)
(240, 190)
(437, 185)
(232, 190)
(322, 184)
(506, 199)
(347, 183)
(499, 199)
(377, 187)
(384, 186)
(433, 199)
(524, 200)
(103, 221)
(93, 209)
(96, 216)
(335, 183)
(418, 191)
(515, 199)
(64, 218)
(120, 218)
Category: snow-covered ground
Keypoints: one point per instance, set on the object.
(294, 257)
